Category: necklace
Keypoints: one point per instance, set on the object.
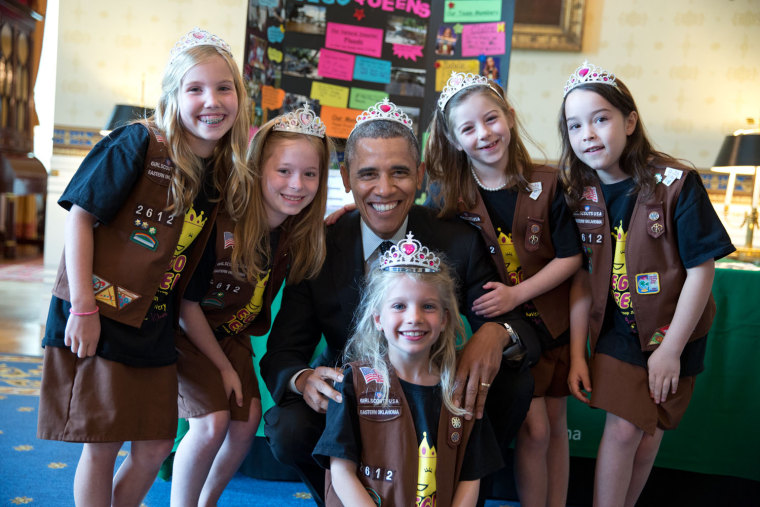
(480, 183)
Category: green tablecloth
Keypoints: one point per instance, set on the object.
(720, 433)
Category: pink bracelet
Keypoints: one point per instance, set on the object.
(83, 314)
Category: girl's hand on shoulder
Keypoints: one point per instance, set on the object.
(664, 370)
(82, 334)
(501, 299)
(335, 215)
(579, 380)
(232, 384)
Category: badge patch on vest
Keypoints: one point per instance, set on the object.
(659, 335)
(589, 217)
(160, 171)
(214, 300)
(535, 189)
(655, 221)
(370, 406)
(114, 296)
(533, 235)
(647, 283)
(671, 175)
(378, 474)
(145, 236)
(589, 194)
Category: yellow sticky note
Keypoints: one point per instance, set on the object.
(329, 95)
(444, 69)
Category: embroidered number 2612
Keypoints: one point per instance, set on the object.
(159, 216)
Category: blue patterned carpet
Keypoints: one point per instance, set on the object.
(41, 472)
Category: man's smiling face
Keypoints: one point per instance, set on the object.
(383, 177)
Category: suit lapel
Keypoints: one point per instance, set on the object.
(347, 265)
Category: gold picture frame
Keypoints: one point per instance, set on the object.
(555, 25)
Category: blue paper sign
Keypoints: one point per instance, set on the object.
(372, 70)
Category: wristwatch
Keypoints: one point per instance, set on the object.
(515, 351)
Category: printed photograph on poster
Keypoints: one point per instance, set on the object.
(414, 114)
(406, 31)
(257, 50)
(272, 73)
(446, 42)
(293, 101)
(301, 62)
(490, 68)
(407, 81)
(264, 13)
(303, 18)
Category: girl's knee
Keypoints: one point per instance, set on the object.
(149, 452)
(211, 426)
(621, 430)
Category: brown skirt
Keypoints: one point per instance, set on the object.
(97, 400)
(201, 390)
(551, 371)
(623, 389)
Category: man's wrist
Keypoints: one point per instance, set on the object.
(515, 350)
(294, 379)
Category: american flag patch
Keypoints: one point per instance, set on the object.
(229, 240)
(370, 375)
(589, 194)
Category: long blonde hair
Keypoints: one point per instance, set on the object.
(449, 168)
(306, 230)
(369, 345)
(230, 175)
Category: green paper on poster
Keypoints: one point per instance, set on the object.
(471, 11)
(361, 98)
(329, 95)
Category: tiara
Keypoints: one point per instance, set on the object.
(302, 121)
(409, 256)
(589, 73)
(384, 110)
(197, 37)
(459, 81)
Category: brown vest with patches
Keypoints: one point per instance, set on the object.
(229, 303)
(535, 250)
(390, 451)
(133, 252)
(653, 265)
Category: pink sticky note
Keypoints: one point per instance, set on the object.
(484, 39)
(335, 65)
(354, 39)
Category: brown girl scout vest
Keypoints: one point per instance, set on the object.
(233, 305)
(390, 451)
(654, 269)
(133, 252)
(531, 222)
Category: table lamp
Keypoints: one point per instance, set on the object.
(740, 154)
(123, 114)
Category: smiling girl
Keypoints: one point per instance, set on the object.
(397, 438)
(139, 205)
(480, 170)
(651, 237)
(229, 298)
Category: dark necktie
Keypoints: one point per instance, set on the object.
(385, 246)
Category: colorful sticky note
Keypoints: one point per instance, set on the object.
(471, 11)
(444, 69)
(275, 34)
(361, 98)
(339, 121)
(354, 39)
(372, 70)
(335, 65)
(274, 55)
(484, 39)
(329, 95)
(271, 97)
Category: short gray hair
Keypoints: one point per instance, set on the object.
(381, 129)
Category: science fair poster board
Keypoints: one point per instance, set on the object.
(342, 56)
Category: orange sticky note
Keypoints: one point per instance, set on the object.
(339, 121)
(271, 97)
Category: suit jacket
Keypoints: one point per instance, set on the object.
(326, 305)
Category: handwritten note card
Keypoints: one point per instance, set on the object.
(329, 95)
(484, 39)
(339, 121)
(354, 39)
(361, 98)
(335, 65)
(372, 70)
(471, 11)
(445, 67)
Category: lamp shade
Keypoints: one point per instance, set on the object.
(739, 151)
(122, 114)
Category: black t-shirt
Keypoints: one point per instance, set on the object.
(341, 437)
(501, 205)
(702, 237)
(100, 186)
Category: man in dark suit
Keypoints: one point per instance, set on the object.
(383, 170)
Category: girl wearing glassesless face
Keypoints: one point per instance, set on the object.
(280, 233)
(651, 238)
